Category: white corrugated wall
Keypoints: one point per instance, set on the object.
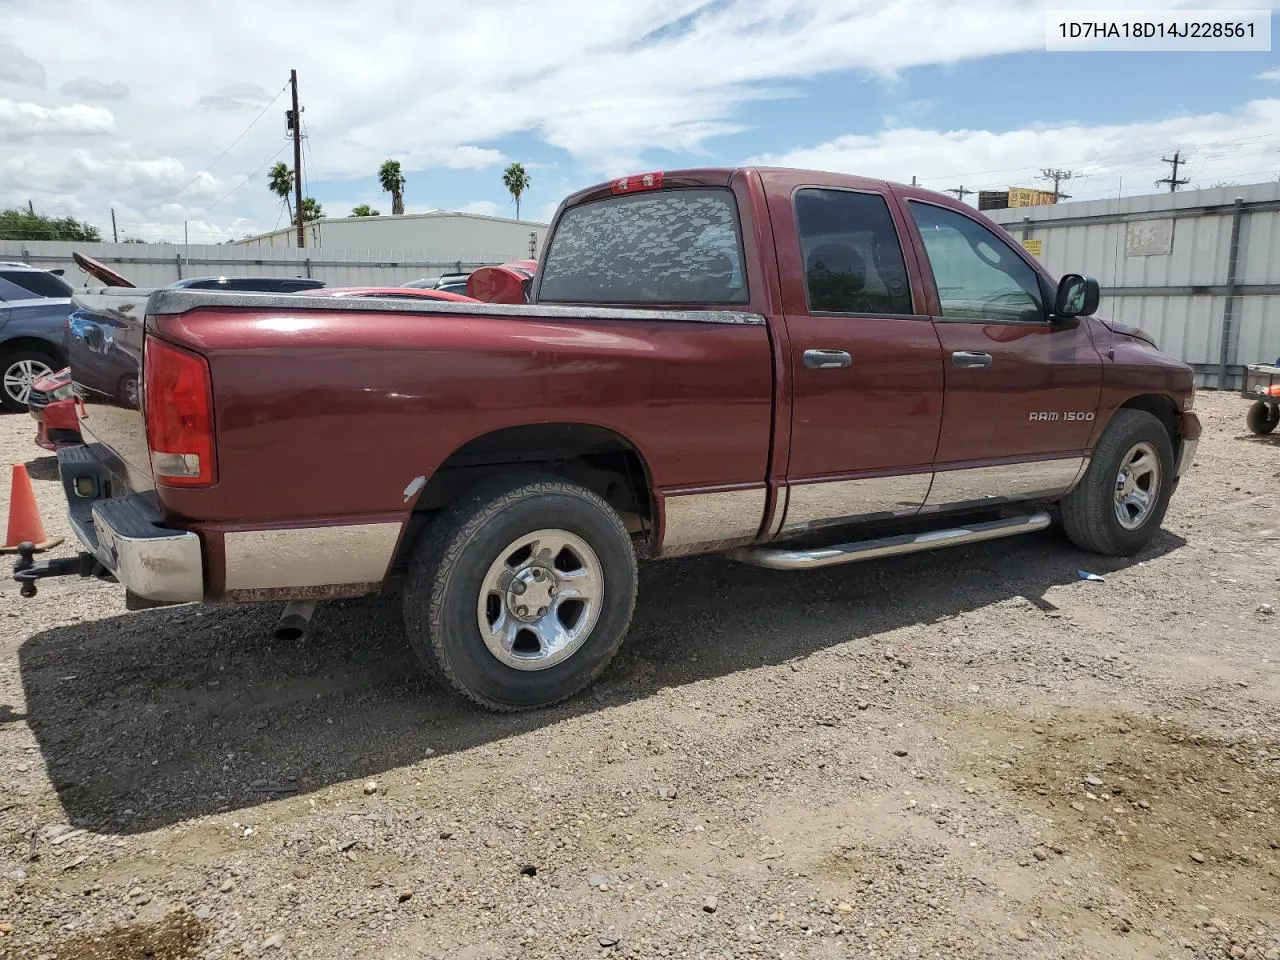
(159, 264)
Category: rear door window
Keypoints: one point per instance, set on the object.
(675, 246)
(852, 257)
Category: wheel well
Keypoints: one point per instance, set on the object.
(1163, 409)
(33, 343)
(594, 457)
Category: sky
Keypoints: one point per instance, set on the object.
(171, 113)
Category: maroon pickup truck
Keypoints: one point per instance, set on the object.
(794, 369)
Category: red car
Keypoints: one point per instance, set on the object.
(53, 407)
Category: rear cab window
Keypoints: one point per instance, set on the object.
(675, 246)
(36, 284)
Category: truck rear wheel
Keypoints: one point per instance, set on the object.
(520, 594)
(1119, 504)
(1262, 417)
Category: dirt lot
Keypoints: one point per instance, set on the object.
(966, 754)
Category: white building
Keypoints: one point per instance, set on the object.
(439, 235)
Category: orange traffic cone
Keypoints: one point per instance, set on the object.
(24, 515)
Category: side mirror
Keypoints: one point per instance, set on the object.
(1077, 296)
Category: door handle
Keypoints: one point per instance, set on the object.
(826, 359)
(963, 358)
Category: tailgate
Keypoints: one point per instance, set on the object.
(104, 349)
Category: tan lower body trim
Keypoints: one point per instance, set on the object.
(707, 520)
(300, 557)
(868, 498)
(1006, 481)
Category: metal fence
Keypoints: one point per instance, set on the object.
(159, 264)
(1200, 270)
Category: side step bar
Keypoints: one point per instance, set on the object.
(779, 559)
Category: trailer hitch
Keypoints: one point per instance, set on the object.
(26, 571)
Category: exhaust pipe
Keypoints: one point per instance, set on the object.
(295, 620)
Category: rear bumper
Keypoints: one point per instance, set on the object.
(126, 536)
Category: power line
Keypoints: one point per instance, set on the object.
(1100, 158)
(240, 184)
(228, 149)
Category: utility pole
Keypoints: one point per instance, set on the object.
(1172, 180)
(115, 237)
(295, 127)
(960, 192)
(913, 180)
(1058, 177)
(31, 208)
(186, 238)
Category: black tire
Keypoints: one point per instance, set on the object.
(1262, 418)
(10, 360)
(455, 556)
(1089, 513)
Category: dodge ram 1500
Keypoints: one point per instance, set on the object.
(791, 368)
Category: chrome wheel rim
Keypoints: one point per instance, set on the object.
(20, 379)
(1137, 485)
(540, 599)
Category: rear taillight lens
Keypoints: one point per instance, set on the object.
(177, 403)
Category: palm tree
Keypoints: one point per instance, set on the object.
(311, 210)
(517, 182)
(280, 179)
(392, 181)
(364, 210)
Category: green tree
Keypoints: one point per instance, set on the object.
(517, 181)
(364, 210)
(25, 225)
(392, 181)
(311, 209)
(280, 179)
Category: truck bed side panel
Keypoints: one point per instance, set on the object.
(313, 422)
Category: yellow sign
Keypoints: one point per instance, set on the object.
(1032, 247)
(1029, 197)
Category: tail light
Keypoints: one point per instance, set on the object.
(177, 402)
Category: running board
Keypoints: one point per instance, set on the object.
(778, 559)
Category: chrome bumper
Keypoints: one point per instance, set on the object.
(1185, 456)
(125, 535)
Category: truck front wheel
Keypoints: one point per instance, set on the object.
(1119, 504)
(520, 594)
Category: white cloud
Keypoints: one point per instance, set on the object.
(1270, 75)
(23, 120)
(1238, 145)
(237, 96)
(86, 88)
(486, 208)
(16, 67)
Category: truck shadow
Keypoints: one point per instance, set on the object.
(152, 718)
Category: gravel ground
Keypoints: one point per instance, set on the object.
(967, 754)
